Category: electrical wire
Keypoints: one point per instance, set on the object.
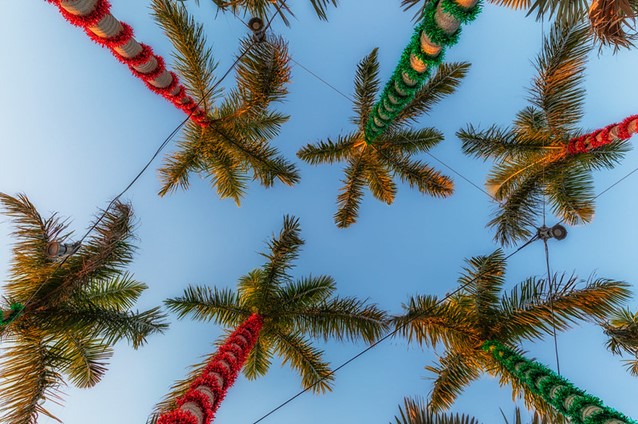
(161, 147)
(387, 336)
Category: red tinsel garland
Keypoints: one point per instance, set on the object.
(101, 10)
(224, 365)
(602, 137)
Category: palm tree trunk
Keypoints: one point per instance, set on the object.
(568, 400)
(95, 17)
(604, 136)
(199, 404)
(440, 27)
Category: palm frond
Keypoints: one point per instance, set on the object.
(380, 181)
(209, 304)
(121, 292)
(259, 359)
(188, 158)
(351, 193)
(103, 254)
(447, 79)
(483, 278)
(532, 309)
(28, 376)
(366, 87)
(557, 90)
(306, 291)
(194, 60)
(409, 141)
(265, 161)
(341, 319)
(421, 176)
(328, 151)
(306, 360)
(428, 322)
(454, 372)
(86, 358)
(571, 194)
(417, 411)
(263, 72)
(30, 265)
(500, 144)
(283, 250)
(110, 325)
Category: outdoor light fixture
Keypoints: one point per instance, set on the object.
(56, 250)
(257, 26)
(557, 231)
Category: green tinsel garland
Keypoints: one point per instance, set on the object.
(569, 400)
(397, 94)
(16, 310)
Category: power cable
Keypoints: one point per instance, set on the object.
(146, 166)
(387, 336)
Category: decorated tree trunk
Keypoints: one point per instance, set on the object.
(601, 137)
(568, 400)
(199, 404)
(95, 17)
(439, 28)
(14, 312)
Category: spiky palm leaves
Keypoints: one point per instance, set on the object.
(261, 8)
(622, 330)
(375, 165)
(293, 311)
(235, 142)
(532, 163)
(416, 411)
(74, 311)
(479, 312)
(611, 21)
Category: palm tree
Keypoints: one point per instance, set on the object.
(75, 308)
(273, 315)
(235, 139)
(375, 164)
(569, 401)
(611, 21)
(533, 164)
(478, 312)
(622, 330)
(417, 411)
(261, 8)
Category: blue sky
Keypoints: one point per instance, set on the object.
(77, 127)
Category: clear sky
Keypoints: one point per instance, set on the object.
(76, 127)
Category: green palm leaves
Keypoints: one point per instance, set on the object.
(479, 311)
(532, 165)
(294, 311)
(416, 411)
(622, 330)
(235, 143)
(375, 166)
(74, 311)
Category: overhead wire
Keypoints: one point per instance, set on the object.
(387, 336)
(161, 147)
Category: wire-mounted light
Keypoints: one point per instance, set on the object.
(557, 231)
(258, 28)
(57, 250)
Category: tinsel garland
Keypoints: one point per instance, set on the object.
(200, 402)
(569, 401)
(439, 28)
(604, 136)
(143, 63)
(16, 310)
